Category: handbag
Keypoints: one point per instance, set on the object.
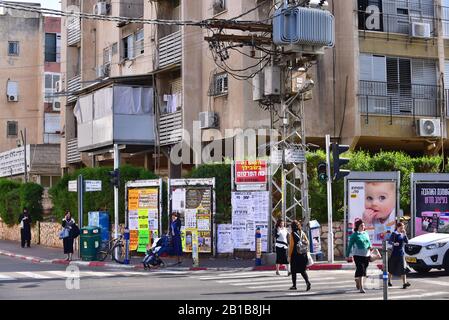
(64, 233)
(310, 261)
(375, 255)
(74, 232)
(301, 246)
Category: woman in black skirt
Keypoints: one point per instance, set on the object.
(299, 245)
(396, 264)
(281, 236)
(68, 223)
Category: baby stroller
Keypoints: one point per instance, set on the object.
(153, 256)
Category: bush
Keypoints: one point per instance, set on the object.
(95, 201)
(31, 198)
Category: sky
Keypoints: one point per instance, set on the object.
(51, 4)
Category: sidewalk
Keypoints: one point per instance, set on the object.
(40, 254)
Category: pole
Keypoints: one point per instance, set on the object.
(385, 269)
(80, 187)
(116, 216)
(330, 234)
(24, 141)
(195, 255)
(258, 247)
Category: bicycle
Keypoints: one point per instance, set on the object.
(113, 244)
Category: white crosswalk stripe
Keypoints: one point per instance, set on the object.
(4, 277)
(33, 275)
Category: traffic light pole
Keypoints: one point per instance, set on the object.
(116, 209)
(330, 234)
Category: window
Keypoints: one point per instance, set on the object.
(12, 129)
(139, 42)
(220, 85)
(107, 56)
(50, 86)
(13, 48)
(50, 47)
(128, 47)
(218, 6)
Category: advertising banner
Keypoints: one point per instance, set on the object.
(251, 175)
(374, 202)
(431, 208)
(250, 210)
(143, 211)
(194, 208)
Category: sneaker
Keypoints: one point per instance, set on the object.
(292, 288)
(308, 286)
(390, 284)
(406, 285)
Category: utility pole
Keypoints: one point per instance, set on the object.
(330, 235)
(24, 142)
(116, 208)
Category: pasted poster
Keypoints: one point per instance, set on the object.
(375, 203)
(250, 210)
(143, 217)
(224, 238)
(194, 207)
(431, 208)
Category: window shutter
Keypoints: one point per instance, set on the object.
(390, 15)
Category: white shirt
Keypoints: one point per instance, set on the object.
(281, 241)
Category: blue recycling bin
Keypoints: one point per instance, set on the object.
(101, 219)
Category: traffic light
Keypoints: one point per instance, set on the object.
(337, 150)
(114, 178)
(322, 172)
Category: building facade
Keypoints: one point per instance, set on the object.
(30, 114)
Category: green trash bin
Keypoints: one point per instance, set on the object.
(90, 241)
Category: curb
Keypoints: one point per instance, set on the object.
(98, 264)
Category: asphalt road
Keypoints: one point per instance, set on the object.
(24, 280)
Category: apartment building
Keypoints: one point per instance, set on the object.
(29, 111)
(168, 64)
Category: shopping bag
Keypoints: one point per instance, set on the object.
(310, 261)
(375, 255)
(64, 233)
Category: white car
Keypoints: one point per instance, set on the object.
(428, 251)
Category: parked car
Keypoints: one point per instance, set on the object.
(429, 251)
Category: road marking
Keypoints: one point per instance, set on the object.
(97, 274)
(287, 280)
(267, 279)
(4, 277)
(61, 274)
(438, 283)
(313, 285)
(408, 296)
(33, 275)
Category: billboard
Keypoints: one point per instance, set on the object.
(251, 175)
(431, 208)
(375, 202)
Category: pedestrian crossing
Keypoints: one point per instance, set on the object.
(326, 285)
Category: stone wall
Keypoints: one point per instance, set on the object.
(338, 229)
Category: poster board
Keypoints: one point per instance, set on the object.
(250, 210)
(194, 202)
(224, 238)
(143, 212)
(429, 203)
(374, 198)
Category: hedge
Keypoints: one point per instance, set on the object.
(95, 201)
(14, 196)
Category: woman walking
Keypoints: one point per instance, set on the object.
(25, 228)
(281, 236)
(360, 245)
(68, 223)
(396, 264)
(299, 247)
(175, 232)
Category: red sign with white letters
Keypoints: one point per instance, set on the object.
(251, 172)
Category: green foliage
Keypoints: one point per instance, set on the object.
(95, 201)
(222, 174)
(14, 196)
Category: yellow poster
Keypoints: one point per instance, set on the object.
(133, 239)
(133, 199)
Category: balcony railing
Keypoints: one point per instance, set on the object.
(170, 49)
(384, 98)
(73, 31)
(73, 85)
(73, 155)
(170, 128)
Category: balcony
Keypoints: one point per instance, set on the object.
(73, 155)
(398, 99)
(73, 85)
(170, 50)
(73, 31)
(170, 128)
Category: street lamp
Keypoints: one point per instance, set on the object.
(23, 142)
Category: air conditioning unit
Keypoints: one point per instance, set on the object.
(101, 8)
(58, 86)
(421, 30)
(13, 98)
(208, 120)
(429, 127)
(56, 106)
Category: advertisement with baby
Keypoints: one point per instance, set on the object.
(375, 203)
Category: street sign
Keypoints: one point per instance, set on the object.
(73, 186)
(251, 172)
(92, 185)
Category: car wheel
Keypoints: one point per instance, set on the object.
(421, 270)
